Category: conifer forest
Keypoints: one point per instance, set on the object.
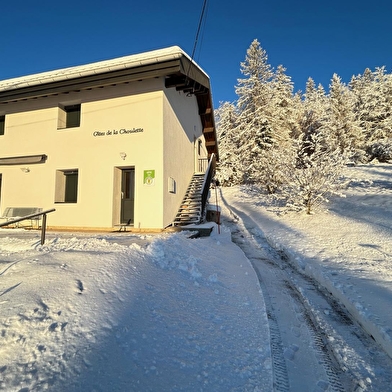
(293, 146)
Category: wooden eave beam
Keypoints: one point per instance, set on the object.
(91, 81)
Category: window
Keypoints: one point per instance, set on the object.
(66, 186)
(2, 125)
(69, 116)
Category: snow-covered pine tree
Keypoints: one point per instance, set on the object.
(265, 118)
(229, 166)
(282, 110)
(254, 128)
(341, 126)
(313, 162)
(312, 173)
(373, 104)
(312, 113)
(282, 105)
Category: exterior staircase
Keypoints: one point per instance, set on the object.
(190, 211)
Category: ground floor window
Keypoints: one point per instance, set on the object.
(67, 186)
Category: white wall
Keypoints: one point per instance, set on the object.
(182, 128)
(31, 128)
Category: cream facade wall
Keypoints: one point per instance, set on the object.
(106, 142)
(182, 131)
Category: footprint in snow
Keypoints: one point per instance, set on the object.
(80, 286)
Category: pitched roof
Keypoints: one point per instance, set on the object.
(96, 68)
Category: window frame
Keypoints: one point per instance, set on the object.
(69, 116)
(67, 186)
(2, 124)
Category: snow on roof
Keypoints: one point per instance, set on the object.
(126, 62)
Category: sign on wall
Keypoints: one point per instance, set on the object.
(122, 131)
(149, 177)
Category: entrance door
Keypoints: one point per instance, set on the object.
(127, 196)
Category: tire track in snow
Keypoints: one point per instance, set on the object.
(359, 361)
(302, 345)
(280, 377)
(326, 357)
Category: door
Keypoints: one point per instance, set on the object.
(127, 196)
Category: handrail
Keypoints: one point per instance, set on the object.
(207, 181)
(203, 164)
(26, 217)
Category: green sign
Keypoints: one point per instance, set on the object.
(149, 177)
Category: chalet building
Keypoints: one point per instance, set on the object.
(115, 143)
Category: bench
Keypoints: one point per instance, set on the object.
(11, 213)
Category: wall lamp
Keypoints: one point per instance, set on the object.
(123, 155)
(25, 169)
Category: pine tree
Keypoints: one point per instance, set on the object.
(310, 178)
(341, 125)
(282, 105)
(229, 166)
(254, 122)
(265, 117)
(373, 104)
(313, 114)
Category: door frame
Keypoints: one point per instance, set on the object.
(127, 209)
(117, 199)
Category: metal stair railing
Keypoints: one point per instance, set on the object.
(43, 226)
(192, 209)
(210, 172)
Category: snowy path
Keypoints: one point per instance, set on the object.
(315, 343)
(300, 363)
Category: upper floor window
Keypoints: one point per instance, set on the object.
(69, 116)
(2, 125)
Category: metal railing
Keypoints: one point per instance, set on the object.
(26, 217)
(202, 165)
(210, 172)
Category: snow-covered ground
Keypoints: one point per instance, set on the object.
(346, 245)
(121, 312)
(126, 312)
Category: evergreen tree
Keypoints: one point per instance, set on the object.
(373, 104)
(313, 113)
(282, 105)
(264, 117)
(254, 120)
(341, 125)
(229, 165)
(310, 178)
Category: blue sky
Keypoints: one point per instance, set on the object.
(311, 39)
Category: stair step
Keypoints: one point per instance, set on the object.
(188, 212)
(182, 221)
(192, 194)
(190, 208)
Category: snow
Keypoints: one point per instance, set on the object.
(347, 248)
(128, 312)
(122, 312)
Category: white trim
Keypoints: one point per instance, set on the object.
(126, 62)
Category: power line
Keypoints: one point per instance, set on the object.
(197, 35)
